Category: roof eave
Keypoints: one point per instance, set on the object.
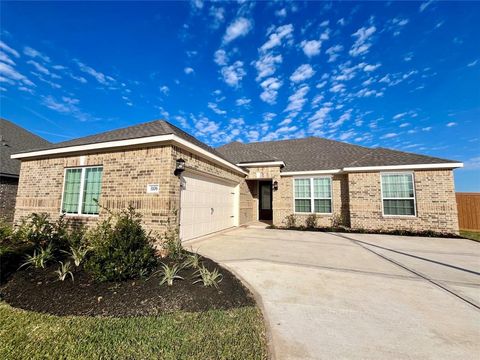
(158, 139)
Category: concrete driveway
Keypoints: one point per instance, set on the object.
(358, 296)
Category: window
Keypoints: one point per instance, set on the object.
(313, 195)
(81, 189)
(398, 194)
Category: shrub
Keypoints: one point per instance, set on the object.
(171, 243)
(39, 258)
(192, 261)
(311, 221)
(169, 274)
(6, 232)
(120, 248)
(207, 277)
(64, 270)
(77, 253)
(290, 221)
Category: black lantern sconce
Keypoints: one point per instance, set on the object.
(179, 167)
(275, 185)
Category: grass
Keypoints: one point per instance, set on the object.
(473, 235)
(218, 334)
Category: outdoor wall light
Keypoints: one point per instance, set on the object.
(275, 185)
(179, 167)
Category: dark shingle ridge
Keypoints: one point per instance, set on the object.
(14, 139)
(314, 153)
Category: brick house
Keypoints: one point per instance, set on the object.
(13, 139)
(169, 176)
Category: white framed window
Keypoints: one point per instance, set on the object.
(398, 194)
(81, 189)
(313, 195)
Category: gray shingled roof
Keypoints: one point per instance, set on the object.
(315, 153)
(152, 128)
(14, 139)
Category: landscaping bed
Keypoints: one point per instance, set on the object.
(40, 290)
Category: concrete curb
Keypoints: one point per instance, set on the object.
(259, 301)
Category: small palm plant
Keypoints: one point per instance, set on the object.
(64, 270)
(39, 258)
(170, 274)
(207, 277)
(192, 261)
(77, 254)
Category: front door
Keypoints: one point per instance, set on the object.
(265, 200)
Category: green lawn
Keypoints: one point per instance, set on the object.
(474, 235)
(219, 334)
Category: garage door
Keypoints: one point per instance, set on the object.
(206, 206)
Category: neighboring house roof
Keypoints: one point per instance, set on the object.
(14, 139)
(313, 153)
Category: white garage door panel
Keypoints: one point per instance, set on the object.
(199, 196)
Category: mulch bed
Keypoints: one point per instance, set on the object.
(40, 290)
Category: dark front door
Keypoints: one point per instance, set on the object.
(265, 200)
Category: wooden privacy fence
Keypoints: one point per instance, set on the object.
(468, 205)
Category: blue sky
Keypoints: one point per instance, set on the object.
(404, 75)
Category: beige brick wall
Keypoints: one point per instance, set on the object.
(435, 202)
(284, 204)
(125, 177)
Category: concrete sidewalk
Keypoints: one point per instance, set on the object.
(357, 296)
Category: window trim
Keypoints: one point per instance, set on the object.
(82, 188)
(412, 173)
(312, 196)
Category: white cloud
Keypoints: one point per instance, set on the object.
(4, 57)
(428, 128)
(297, 100)
(66, 105)
(214, 107)
(270, 89)
(239, 27)
(30, 52)
(362, 45)
(333, 51)
(100, 77)
(267, 65)
(220, 57)
(8, 49)
(472, 163)
(269, 116)
(344, 117)
(242, 101)
(424, 5)
(302, 73)
(365, 92)
(317, 120)
(408, 57)
(277, 36)
(8, 72)
(42, 69)
(198, 4)
(399, 116)
(404, 125)
(389, 136)
(473, 63)
(281, 13)
(311, 48)
(188, 70)
(450, 124)
(205, 126)
(233, 74)
(336, 88)
(218, 15)
(341, 22)
(347, 135)
(369, 68)
(253, 135)
(165, 90)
